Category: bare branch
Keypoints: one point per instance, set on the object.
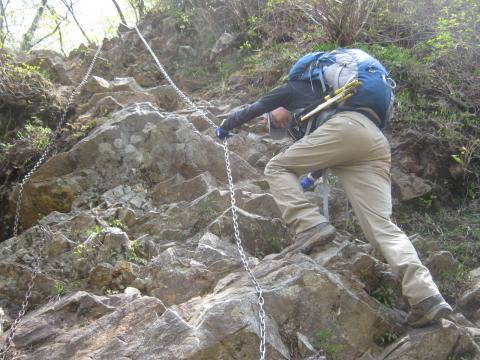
(57, 27)
(59, 20)
(119, 10)
(70, 10)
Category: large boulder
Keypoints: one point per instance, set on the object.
(444, 342)
(136, 141)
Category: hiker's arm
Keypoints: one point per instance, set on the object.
(280, 96)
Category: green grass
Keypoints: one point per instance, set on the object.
(456, 230)
(60, 289)
(323, 342)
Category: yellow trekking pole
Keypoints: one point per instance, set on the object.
(340, 95)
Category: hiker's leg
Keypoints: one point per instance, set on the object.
(335, 142)
(368, 188)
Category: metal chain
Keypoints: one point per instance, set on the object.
(52, 146)
(23, 309)
(258, 288)
(246, 265)
(50, 150)
(169, 79)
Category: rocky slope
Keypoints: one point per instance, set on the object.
(139, 260)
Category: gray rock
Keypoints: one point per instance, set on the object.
(260, 235)
(141, 205)
(475, 275)
(469, 303)
(125, 84)
(409, 186)
(137, 138)
(63, 325)
(433, 343)
(179, 273)
(51, 63)
(59, 244)
(105, 103)
(135, 197)
(262, 204)
(96, 84)
(4, 321)
(305, 349)
(101, 275)
(14, 278)
(185, 191)
(223, 42)
(442, 264)
(199, 122)
(112, 244)
(165, 97)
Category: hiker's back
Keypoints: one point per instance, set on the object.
(337, 68)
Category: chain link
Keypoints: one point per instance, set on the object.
(180, 93)
(42, 230)
(52, 146)
(246, 265)
(50, 150)
(258, 288)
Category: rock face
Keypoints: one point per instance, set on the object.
(139, 260)
(138, 140)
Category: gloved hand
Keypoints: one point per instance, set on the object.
(222, 134)
(307, 183)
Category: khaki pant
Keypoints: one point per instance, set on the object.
(359, 154)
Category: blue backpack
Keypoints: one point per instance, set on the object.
(336, 68)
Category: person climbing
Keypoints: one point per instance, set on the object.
(348, 141)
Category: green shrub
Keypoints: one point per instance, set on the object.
(37, 136)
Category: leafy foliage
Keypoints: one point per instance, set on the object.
(385, 295)
(37, 135)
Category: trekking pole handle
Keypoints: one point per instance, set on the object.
(341, 94)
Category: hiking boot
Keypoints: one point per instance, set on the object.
(428, 311)
(307, 240)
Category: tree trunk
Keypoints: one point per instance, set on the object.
(60, 40)
(141, 8)
(28, 36)
(4, 31)
(120, 13)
